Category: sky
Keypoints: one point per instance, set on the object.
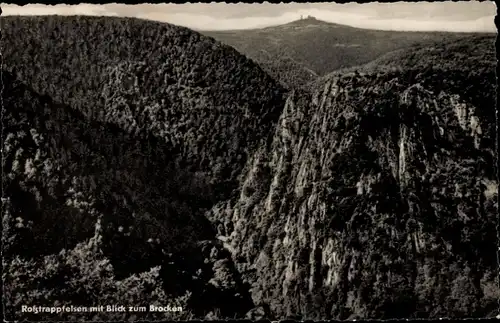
(462, 16)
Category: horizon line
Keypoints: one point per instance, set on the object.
(263, 26)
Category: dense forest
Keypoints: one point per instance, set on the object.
(144, 75)
(147, 164)
(153, 139)
(102, 210)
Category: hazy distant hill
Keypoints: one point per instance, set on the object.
(295, 52)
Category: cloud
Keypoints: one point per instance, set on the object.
(462, 16)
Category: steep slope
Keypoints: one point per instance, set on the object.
(375, 199)
(140, 128)
(285, 69)
(293, 53)
(203, 98)
(102, 227)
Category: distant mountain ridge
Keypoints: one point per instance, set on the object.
(307, 21)
(320, 47)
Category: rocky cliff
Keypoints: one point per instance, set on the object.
(374, 198)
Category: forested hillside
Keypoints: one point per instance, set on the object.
(134, 127)
(200, 96)
(146, 164)
(297, 52)
(471, 51)
(108, 218)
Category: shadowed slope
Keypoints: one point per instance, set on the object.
(155, 126)
(63, 171)
(108, 216)
(203, 98)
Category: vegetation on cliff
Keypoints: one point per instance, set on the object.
(376, 198)
(465, 67)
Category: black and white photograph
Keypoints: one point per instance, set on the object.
(218, 161)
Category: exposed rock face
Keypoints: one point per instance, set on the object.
(369, 202)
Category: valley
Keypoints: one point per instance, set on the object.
(314, 171)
